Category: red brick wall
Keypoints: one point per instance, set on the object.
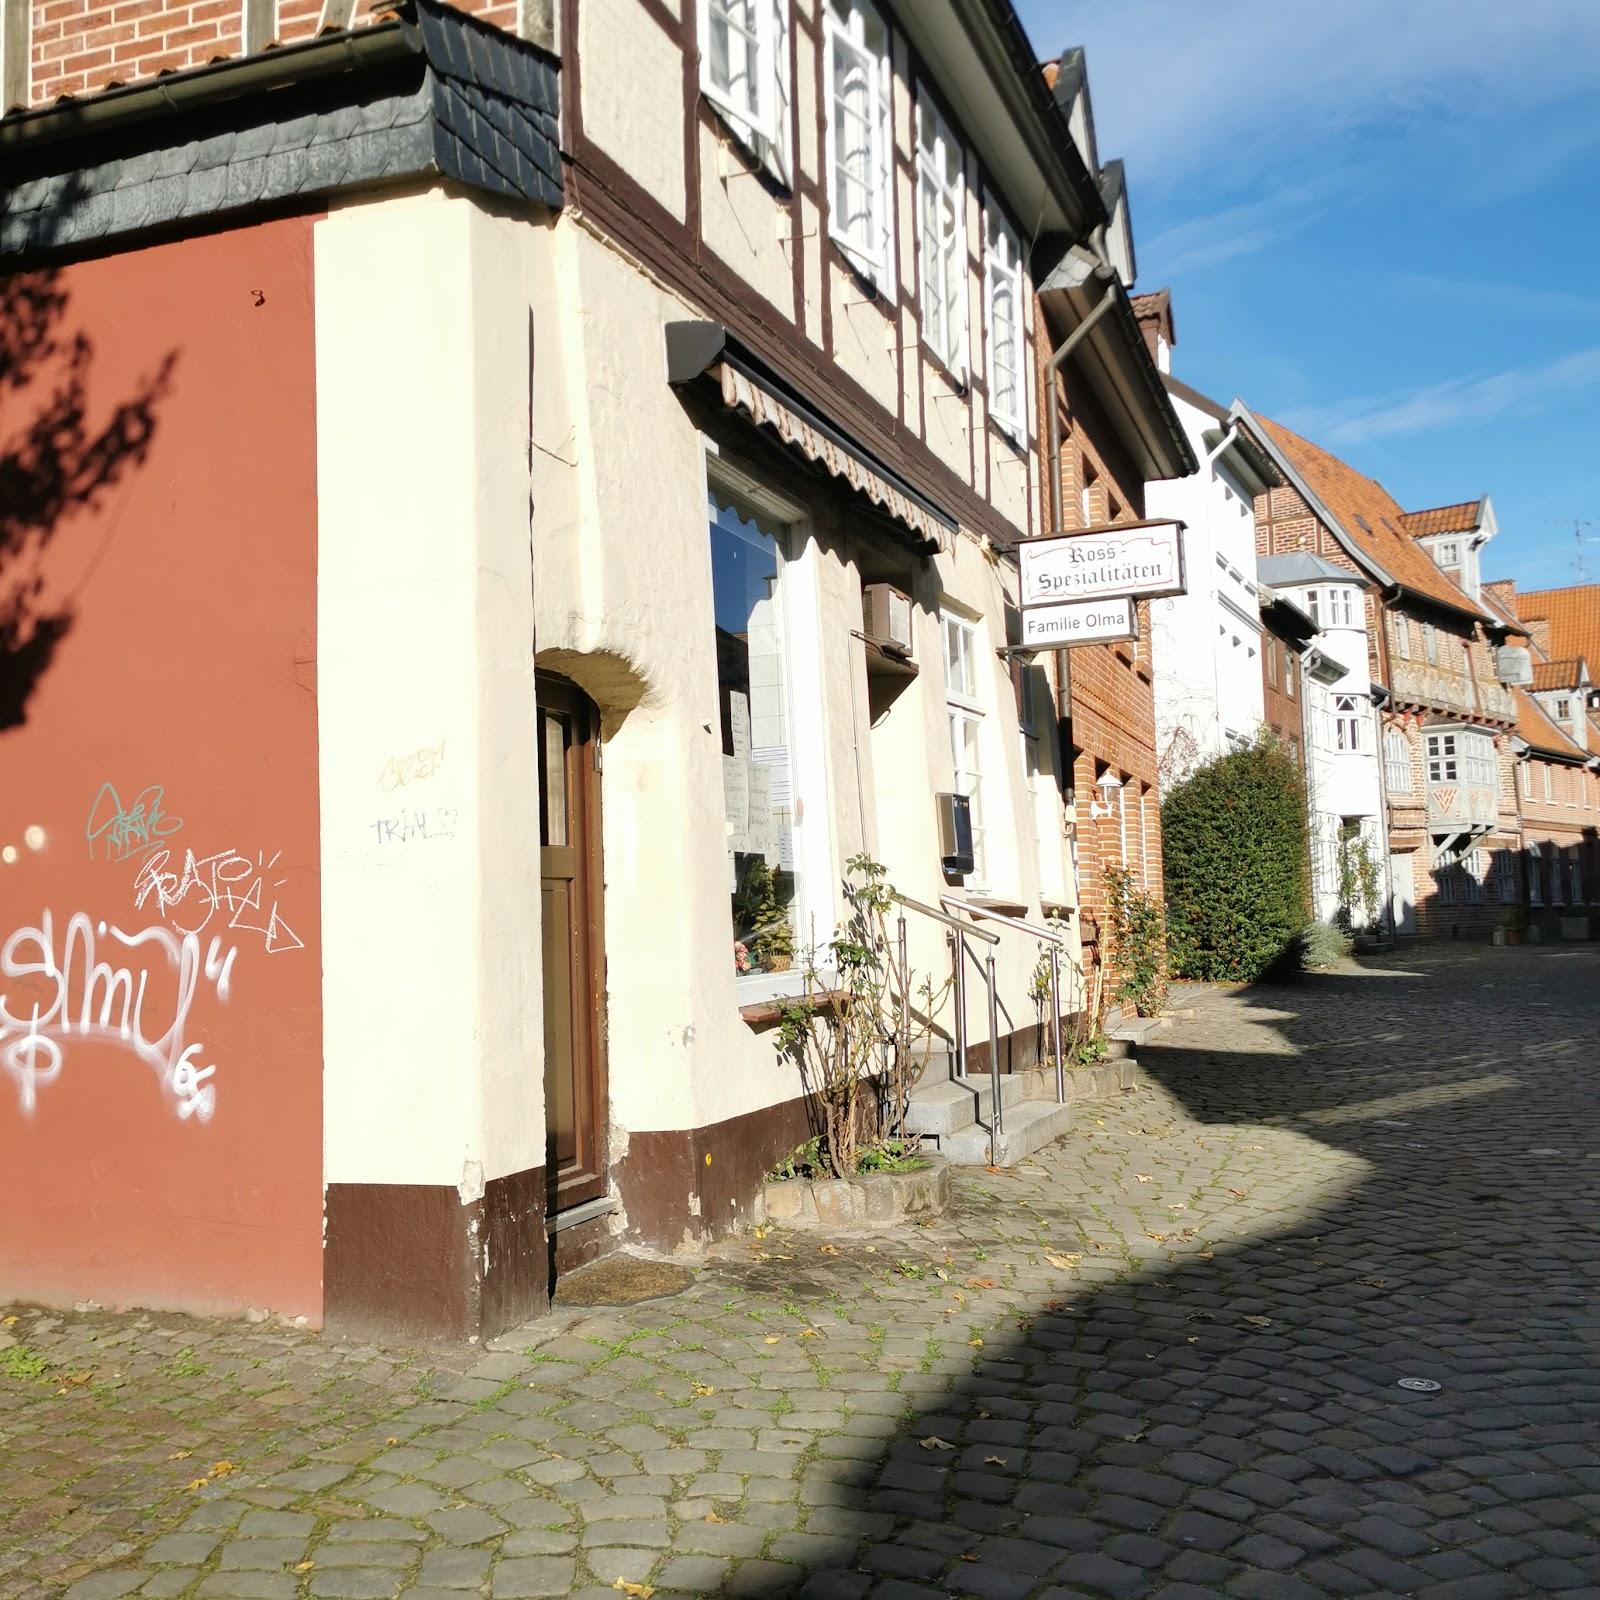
(78, 46)
(1112, 691)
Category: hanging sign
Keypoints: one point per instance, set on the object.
(1079, 622)
(1134, 560)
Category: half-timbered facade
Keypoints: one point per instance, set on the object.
(668, 389)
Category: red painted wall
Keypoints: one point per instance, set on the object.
(175, 717)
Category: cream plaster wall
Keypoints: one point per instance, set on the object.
(632, 102)
(430, 888)
(743, 221)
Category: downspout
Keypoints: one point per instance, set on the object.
(1058, 359)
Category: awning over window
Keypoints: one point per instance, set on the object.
(707, 350)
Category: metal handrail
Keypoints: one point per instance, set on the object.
(940, 916)
(974, 909)
(1056, 944)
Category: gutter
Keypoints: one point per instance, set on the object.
(134, 103)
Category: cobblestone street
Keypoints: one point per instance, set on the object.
(1162, 1357)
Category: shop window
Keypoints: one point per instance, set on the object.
(860, 140)
(942, 238)
(964, 708)
(744, 73)
(772, 757)
(1003, 306)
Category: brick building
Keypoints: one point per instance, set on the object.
(1447, 719)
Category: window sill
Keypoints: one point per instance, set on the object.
(1016, 439)
(869, 286)
(759, 1014)
(747, 144)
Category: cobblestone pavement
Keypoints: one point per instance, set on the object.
(1162, 1357)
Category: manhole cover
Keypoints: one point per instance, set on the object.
(1420, 1385)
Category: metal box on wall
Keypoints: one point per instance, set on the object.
(955, 832)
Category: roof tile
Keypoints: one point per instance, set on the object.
(1574, 618)
(1536, 728)
(1460, 518)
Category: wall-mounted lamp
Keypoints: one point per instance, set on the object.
(1107, 783)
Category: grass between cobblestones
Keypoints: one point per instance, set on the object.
(1159, 1358)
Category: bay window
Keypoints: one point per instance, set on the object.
(860, 140)
(964, 709)
(942, 238)
(773, 783)
(1003, 313)
(744, 72)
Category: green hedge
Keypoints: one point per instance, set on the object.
(1237, 866)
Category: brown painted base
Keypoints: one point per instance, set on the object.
(411, 1260)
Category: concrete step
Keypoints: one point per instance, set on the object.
(944, 1106)
(1029, 1125)
(1131, 1029)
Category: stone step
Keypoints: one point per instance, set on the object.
(1029, 1125)
(943, 1106)
(1132, 1029)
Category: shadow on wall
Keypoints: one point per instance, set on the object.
(54, 461)
(1231, 1414)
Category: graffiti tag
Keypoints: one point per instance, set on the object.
(421, 763)
(440, 823)
(92, 999)
(119, 831)
(225, 885)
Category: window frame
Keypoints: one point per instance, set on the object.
(1347, 721)
(1397, 761)
(1535, 874)
(1014, 424)
(1470, 757)
(788, 524)
(1402, 635)
(955, 355)
(872, 257)
(966, 709)
(762, 124)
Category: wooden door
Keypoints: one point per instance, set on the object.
(573, 939)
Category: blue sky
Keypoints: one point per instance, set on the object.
(1381, 225)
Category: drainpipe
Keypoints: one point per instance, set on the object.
(1103, 270)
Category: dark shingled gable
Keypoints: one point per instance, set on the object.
(454, 97)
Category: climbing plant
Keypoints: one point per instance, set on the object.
(1138, 942)
(1237, 865)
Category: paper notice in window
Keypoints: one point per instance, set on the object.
(739, 724)
(736, 800)
(763, 837)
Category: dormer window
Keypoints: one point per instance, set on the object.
(1563, 709)
(1448, 553)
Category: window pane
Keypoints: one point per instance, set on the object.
(758, 785)
(555, 736)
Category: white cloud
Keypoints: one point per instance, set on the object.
(1229, 232)
(1520, 390)
(1237, 86)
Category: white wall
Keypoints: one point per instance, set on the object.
(430, 916)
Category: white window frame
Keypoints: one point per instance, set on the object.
(759, 113)
(999, 275)
(1314, 605)
(1397, 761)
(1524, 780)
(1563, 708)
(943, 289)
(870, 245)
(1402, 635)
(965, 710)
(815, 903)
(1474, 873)
(1549, 782)
(1347, 720)
(1535, 876)
(1450, 553)
(1460, 756)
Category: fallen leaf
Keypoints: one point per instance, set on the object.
(994, 1461)
(980, 1283)
(1259, 1322)
(303, 1566)
(967, 1557)
(11, 1322)
(1192, 1339)
(977, 1344)
(772, 1338)
(221, 1469)
(811, 1333)
(761, 1230)
(180, 1455)
(711, 1516)
(934, 1442)
(1375, 1283)
(941, 1275)
(1054, 1305)
(1132, 1438)
(996, 1170)
(1176, 1205)
(702, 1390)
(1142, 1177)
(827, 1249)
(1057, 1259)
(1239, 1193)
(396, 1441)
(640, 1591)
(196, 1483)
(1160, 1238)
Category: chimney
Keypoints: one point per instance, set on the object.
(1539, 631)
(1503, 591)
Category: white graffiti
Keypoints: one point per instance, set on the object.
(91, 999)
(226, 885)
